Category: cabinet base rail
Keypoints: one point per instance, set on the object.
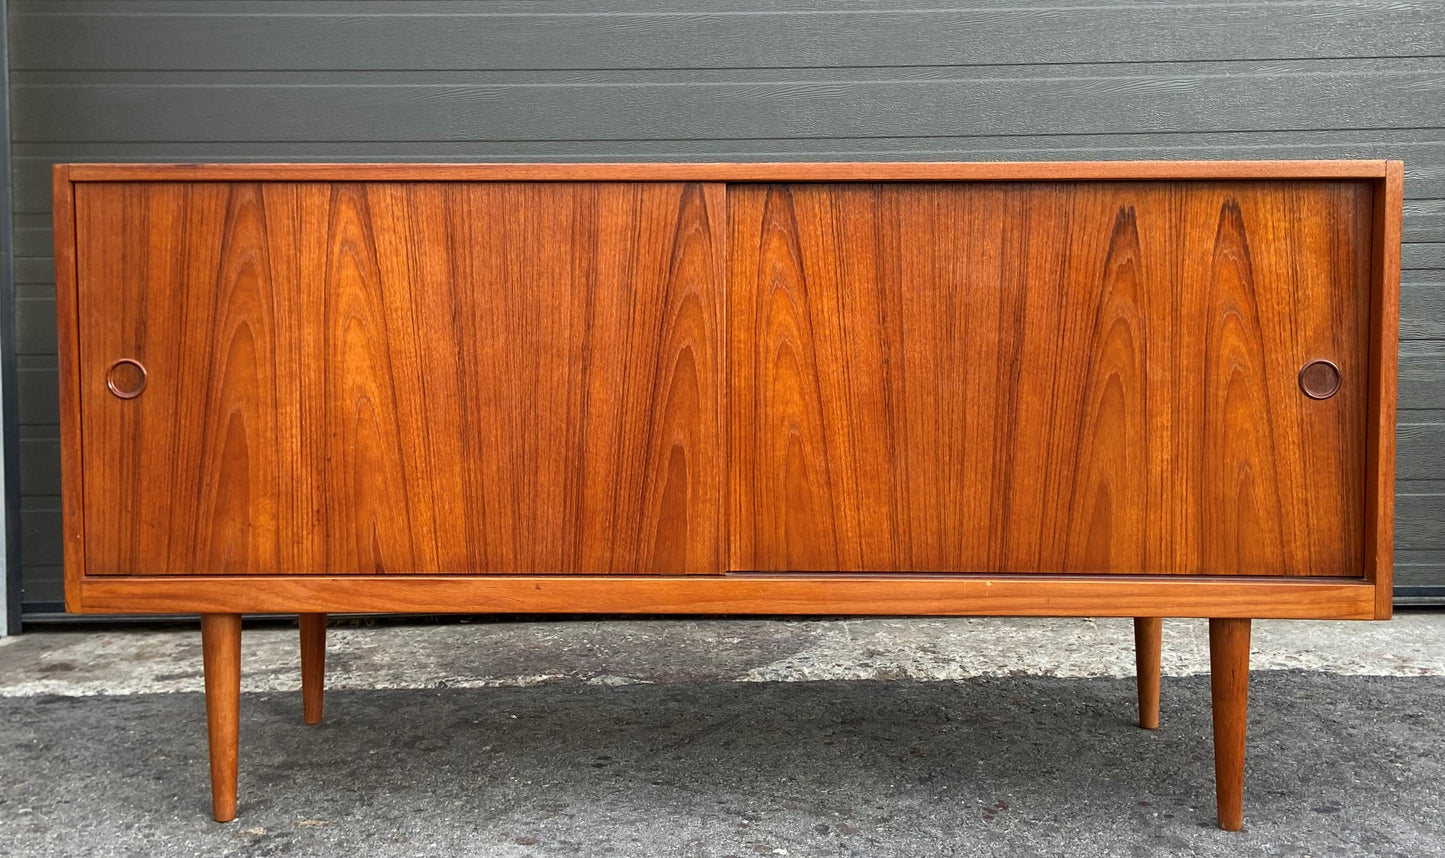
(737, 593)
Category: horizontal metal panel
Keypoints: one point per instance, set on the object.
(1408, 578)
(40, 533)
(1420, 451)
(781, 103)
(1422, 375)
(1424, 219)
(718, 35)
(1420, 568)
(1422, 306)
(35, 326)
(39, 466)
(33, 269)
(1423, 255)
(37, 390)
(1419, 522)
(580, 7)
(1420, 487)
(1059, 144)
(33, 241)
(1156, 76)
(42, 584)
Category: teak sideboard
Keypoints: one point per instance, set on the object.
(1134, 389)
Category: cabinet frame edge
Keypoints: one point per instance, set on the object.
(1061, 594)
(981, 171)
(1384, 333)
(938, 594)
(67, 319)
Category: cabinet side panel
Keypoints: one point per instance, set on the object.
(67, 351)
(1384, 357)
(1039, 377)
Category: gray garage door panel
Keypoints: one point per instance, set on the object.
(694, 36)
(673, 105)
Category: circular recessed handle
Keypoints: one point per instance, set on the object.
(1319, 379)
(126, 378)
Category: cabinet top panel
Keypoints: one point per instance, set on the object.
(734, 172)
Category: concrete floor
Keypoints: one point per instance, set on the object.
(726, 737)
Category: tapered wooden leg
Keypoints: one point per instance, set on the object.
(221, 653)
(313, 666)
(1148, 642)
(1229, 686)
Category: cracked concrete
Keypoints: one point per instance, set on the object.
(725, 737)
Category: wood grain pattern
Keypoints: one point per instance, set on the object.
(403, 378)
(72, 495)
(1047, 377)
(1148, 645)
(873, 595)
(312, 628)
(806, 171)
(1229, 693)
(221, 657)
